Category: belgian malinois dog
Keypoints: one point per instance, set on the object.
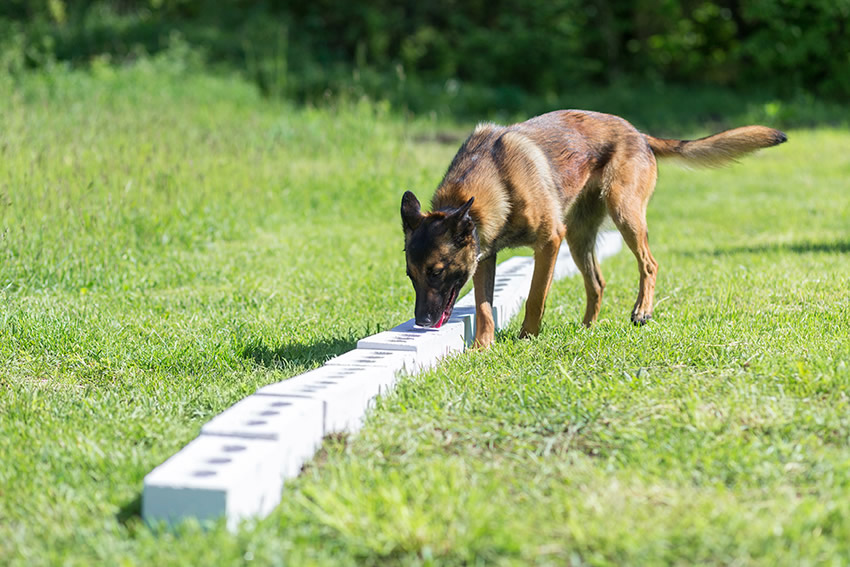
(533, 184)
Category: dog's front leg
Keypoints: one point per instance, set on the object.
(545, 255)
(483, 281)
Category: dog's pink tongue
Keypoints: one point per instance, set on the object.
(442, 320)
(447, 311)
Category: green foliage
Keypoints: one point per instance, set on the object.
(804, 41)
(407, 52)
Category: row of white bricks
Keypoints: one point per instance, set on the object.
(237, 466)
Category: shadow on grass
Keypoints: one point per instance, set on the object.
(291, 354)
(805, 247)
(130, 511)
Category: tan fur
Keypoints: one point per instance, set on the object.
(719, 149)
(557, 176)
(484, 185)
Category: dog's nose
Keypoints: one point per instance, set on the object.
(424, 321)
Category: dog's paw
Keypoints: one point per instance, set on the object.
(527, 334)
(483, 342)
(641, 319)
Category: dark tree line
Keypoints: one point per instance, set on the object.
(539, 46)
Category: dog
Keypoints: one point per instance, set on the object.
(534, 184)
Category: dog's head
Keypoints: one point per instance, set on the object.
(442, 252)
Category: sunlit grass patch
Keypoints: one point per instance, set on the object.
(168, 245)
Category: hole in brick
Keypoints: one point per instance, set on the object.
(219, 460)
(281, 404)
(233, 448)
(270, 412)
(203, 474)
(255, 422)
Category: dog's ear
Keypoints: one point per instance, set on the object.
(411, 212)
(460, 221)
(463, 210)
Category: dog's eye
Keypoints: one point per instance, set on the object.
(436, 272)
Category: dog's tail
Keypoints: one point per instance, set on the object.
(718, 149)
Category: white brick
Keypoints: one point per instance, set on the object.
(516, 267)
(465, 314)
(513, 277)
(513, 283)
(510, 290)
(235, 469)
(385, 358)
(214, 477)
(345, 392)
(608, 243)
(293, 423)
(564, 266)
(427, 345)
(509, 294)
(467, 300)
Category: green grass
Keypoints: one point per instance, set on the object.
(170, 243)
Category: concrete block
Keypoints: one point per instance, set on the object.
(396, 360)
(516, 267)
(467, 300)
(510, 290)
(214, 477)
(513, 283)
(235, 469)
(465, 314)
(608, 243)
(426, 345)
(294, 423)
(564, 266)
(345, 392)
(509, 295)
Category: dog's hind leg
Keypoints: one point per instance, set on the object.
(627, 197)
(583, 221)
(545, 255)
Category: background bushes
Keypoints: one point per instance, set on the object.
(412, 51)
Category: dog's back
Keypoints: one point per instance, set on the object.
(561, 153)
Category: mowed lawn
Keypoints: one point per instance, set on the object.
(170, 243)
